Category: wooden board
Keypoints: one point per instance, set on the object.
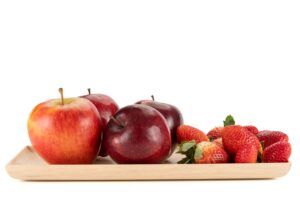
(27, 165)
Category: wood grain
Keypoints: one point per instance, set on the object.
(27, 165)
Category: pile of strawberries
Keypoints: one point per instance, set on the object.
(232, 143)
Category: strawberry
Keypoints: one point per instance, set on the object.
(252, 129)
(216, 132)
(277, 152)
(246, 154)
(270, 137)
(188, 133)
(208, 152)
(234, 137)
(203, 152)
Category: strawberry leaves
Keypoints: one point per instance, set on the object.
(190, 151)
(185, 160)
(198, 154)
(186, 146)
(229, 120)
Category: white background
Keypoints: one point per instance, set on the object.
(209, 58)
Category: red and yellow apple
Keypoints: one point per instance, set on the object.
(66, 131)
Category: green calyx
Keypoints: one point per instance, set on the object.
(229, 120)
(191, 152)
(186, 146)
(198, 153)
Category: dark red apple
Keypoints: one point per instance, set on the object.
(106, 107)
(171, 113)
(137, 134)
(65, 131)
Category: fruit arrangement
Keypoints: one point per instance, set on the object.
(81, 129)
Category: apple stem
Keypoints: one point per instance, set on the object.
(61, 91)
(89, 91)
(117, 122)
(152, 96)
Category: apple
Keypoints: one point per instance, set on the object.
(171, 113)
(137, 134)
(106, 107)
(65, 131)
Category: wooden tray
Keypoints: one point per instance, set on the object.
(27, 165)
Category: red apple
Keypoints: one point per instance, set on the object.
(106, 107)
(65, 131)
(171, 113)
(137, 134)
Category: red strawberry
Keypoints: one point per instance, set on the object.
(277, 152)
(216, 132)
(234, 137)
(203, 152)
(188, 133)
(270, 137)
(252, 129)
(246, 154)
(208, 152)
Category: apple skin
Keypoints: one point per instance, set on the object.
(65, 134)
(143, 137)
(171, 113)
(106, 107)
